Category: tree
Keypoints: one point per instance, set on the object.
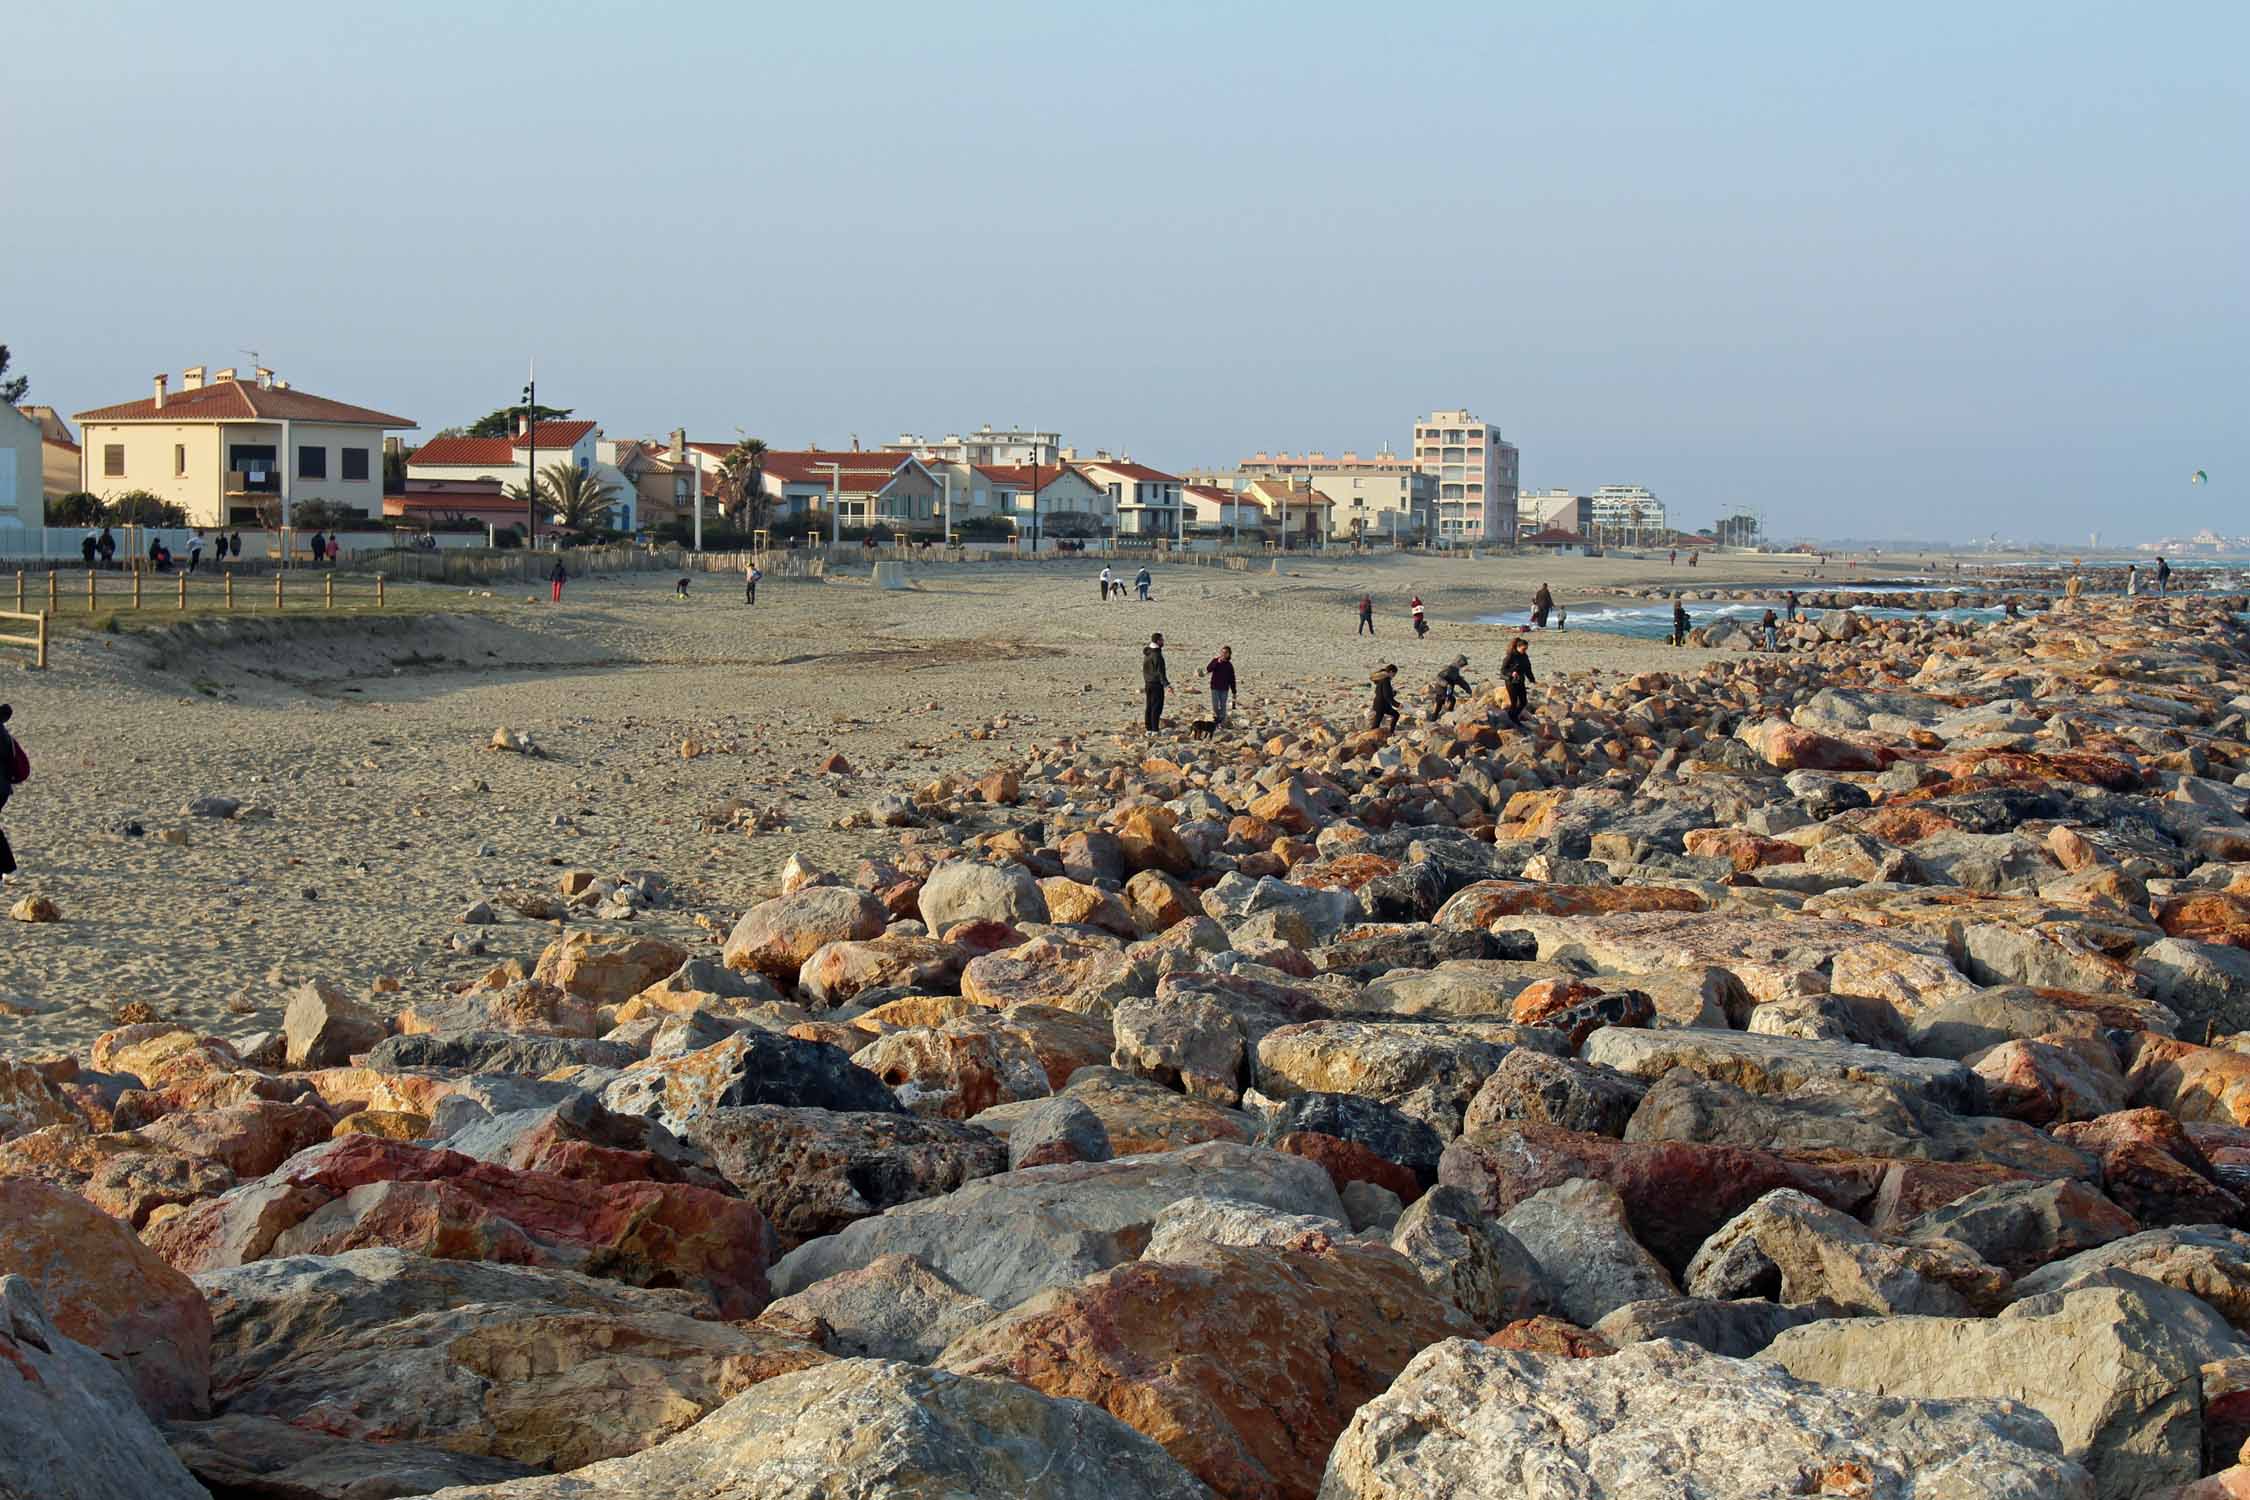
(11, 391)
(742, 484)
(502, 423)
(78, 508)
(140, 508)
(576, 499)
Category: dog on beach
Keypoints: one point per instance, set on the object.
(1202, 729)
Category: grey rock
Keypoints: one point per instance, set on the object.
(1736, 1329)
(894, 1307)
(1369, 1207)
(1470, 1261)
(1186, 1042)
(496, 1052)
(2203, 1260)
(813, 1171)
(276, 1460)
(1580, 1237)
(1390, 1133)
(1056, 1130)
(2021, 1226)
(1559, 1091)
(962, 891)
(1430, 1070)
(1780, 1065)
(1791, 1246)
(2205, 984)
(325, 1027)
(1185, 1227)
(1464, 1422)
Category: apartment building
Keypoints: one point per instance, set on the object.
(227, 450)
(1383, 496)
(1476, 470)
(1006, 448)
(1555, 510)
(1627, 513)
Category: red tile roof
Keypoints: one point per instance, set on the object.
(858, 471)
(1129, 470)
(554, 434)
(1019, 475)
(466, 452)
(243, 401)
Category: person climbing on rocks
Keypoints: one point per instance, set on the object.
(1154, 680)
(1449, 688)
(1516, 676)
(1383, 712)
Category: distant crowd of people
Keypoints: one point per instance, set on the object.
(100, 550)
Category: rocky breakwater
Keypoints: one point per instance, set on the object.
(1824, 1073)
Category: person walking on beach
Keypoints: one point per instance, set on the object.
(1154, 680)
(1220, 669)
(751, 576)
(1366, 615)
(1674, 560)
(2163, 575)
(1679, 622)
(555, 581)
(1383, 712)
(1421, 621)
(1107, 581)
(1542, 604)
(195, 552)
(1141, 582)
(15, 767)
(1771, 625)
(1449, 688)
(1562, 617)
(1516, 675)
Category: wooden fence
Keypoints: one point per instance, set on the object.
(36, 641)
(516, 565)
(211, 590)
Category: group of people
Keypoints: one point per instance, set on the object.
(2163, 577)
(1446, 690)
(1113, 587)
(1414, 610)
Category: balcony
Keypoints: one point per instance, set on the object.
(253, 482)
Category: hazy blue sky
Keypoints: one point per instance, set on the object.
(1914, 269)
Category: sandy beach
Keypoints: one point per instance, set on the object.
(369, 745)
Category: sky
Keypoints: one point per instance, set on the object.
(1916, 270)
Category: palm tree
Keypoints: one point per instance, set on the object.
(577, 500)
(742, 484)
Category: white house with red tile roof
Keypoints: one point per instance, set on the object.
(1067, 494)
(224, 449)
(1222, 513)
(1147, 500)
(511, 460)
(892, 490)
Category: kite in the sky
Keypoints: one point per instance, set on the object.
(2199, 477)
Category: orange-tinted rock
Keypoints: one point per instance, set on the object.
(250, 1140)
(1487, 901)
(2207, 917)
(2152, 1170)
(1244, 1365)
(1343, 872)
(774, 938)
(1349, 1161)
(1790, 747)
(1151, 841)
(1747, 851)
(1546, 1334)
(607, 968)
(837, 971)
(1536, 1001)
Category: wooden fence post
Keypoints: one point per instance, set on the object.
(42, 659)
(328, 591)
(136, 588)
(277, 588)
(53, 606)
(183, 591)
(19, 591)
(230, 588)
(378, 591)
(90, 576)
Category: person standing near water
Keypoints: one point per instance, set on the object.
(1154, 680)
(2163, 575)
(1541, 604)
(14, 767)
(1679, 622)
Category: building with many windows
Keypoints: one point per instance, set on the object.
(1628, 514)
(1555, 510)
(986, 445)
(233, 452)
(1475, 469)
(1383, 497)
(1147, 501)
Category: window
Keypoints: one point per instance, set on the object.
(355, 463)
(179, 459)
(113, 460)
(312, 463)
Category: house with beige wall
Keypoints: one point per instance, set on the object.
(59, 470)
(22, 501)
(228, 450)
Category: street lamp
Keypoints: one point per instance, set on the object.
(531, 432)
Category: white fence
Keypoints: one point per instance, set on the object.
(65, 544)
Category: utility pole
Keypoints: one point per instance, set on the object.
(947, 539)
(1035, 501)
(531, 433)
(835, 506)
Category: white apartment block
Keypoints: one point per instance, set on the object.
(1627, 513)
(987, 445)
(1476, 473)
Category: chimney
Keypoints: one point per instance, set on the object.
(160, 393)
(223, 376)
(679, 445)
(264, 377)
(191, 378)
(523, 422)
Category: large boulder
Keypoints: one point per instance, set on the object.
(749, 1067)
(322, 1027)
(1579, 1234)
(774, 938)
(1781, 1065)
(1470, 1261)
(2115, 1367)
(894, 1307)
(1007, 1237)
(542, 1367)
(962, 891)
(70, 1426)
(1667, 1419)
(956, 1070)
(813, 1171)
(1559, 1091)
(1137, 1115)
(496, 1052)
(2203, 1260)
(2206, 984)
(1430, 1070)
(261, 1457)
(359, 1191)
(1244, 1362)
(875, 1430)
(1736, 1328)
(106, 1290)
(2021, 1226)
(1796, 1249)
(1187, 1042)
(607, 968)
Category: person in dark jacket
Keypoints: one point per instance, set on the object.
(86, 547)
(1679, 623)
(1516, 675)
(1220, 669)
(1541, 604)
(1792, 616)
(1449, 688)
(1383, 713)
(1141, 581)
(1154, 680)
(1366, 615)
(2163, 574)
(556, 579)
(1771, 626)
(107, 547)
(7, 787)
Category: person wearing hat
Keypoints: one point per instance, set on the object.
(1154, 680)
(1449, 687)
(1385, 707)
(1515, 675)
(14, 767)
